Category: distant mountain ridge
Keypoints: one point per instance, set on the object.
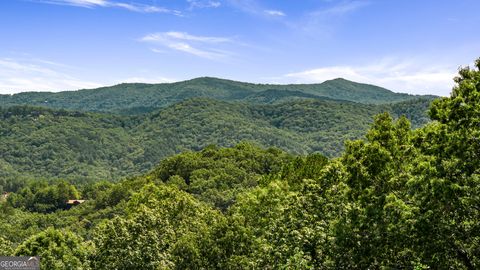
(136, 98)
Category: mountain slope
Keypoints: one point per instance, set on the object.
(358, 92)
(140, 98)
(39, 142)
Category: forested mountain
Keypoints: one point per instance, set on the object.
(141, 98)
(400, 198)
(48, 143)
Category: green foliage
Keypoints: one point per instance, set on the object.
(6, 247)
(402, 198)
(302, 168)
(216, 175)
(141, 98)
(369, 234)
(44, 143)
(163, 230)
(42, 197)
(57, 249)
(448, 177)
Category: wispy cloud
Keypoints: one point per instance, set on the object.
(276, 13)
(249, 6)
(339, 9)
(22, 75)
(186, 37)
(203, 4)
(131, 6)
(323, 21)
(254, 7)
(200, 46)
(401, 76)
(37, 75)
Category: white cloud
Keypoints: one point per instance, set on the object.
(131, 6)
(184, 47)
(185, 36)
(277, 13)
(80, 3)
(402, 76)
(200, 46)
(340, 9)
(20, 75)
(203, 4)
(255, 7)
(155, 50)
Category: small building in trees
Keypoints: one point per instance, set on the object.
(71, 203)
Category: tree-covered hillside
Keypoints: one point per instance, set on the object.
(49, 143)
(401, 198)
(140, 98)
(40, 142)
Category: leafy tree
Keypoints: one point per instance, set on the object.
(57, 249)
(303, 168)
(39, 196)
(217, 175)
(368, 233)
(446, 186)
(6, 247)
(163, 230)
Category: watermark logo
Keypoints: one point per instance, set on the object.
(20, 263)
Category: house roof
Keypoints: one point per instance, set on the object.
(75, 201)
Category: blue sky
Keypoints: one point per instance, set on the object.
(404, 45)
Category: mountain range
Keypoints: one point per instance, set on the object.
(113, 132)
(137, 98)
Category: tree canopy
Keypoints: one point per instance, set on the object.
(401, 198)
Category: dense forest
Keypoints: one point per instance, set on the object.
(39, 142)
(398, 195)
